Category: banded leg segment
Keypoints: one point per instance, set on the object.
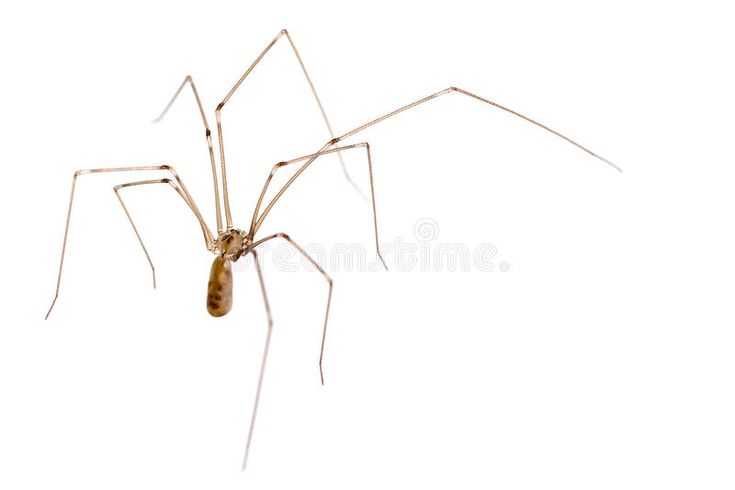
(205, 231)
(232, 91)
(78, 173)
(207, 134)
(255, 225)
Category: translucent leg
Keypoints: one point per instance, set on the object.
(168, 168)
(323, 273)
(207, 134)
(227, 97)
(263, 360)
(270, 327)
(406, 107)
(207, 238)
(254, 225)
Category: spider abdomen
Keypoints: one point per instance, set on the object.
(219, 290)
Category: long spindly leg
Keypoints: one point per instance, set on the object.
(227, 97)
(323, 273)
(270, 327)
(337, 150)
(263, 360)
(481, 99)
(406, 107)
(207, 134)
(207, 238)
(167, 168)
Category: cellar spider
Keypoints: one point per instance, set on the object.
(230, 243)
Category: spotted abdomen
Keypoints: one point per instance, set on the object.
(219, 291)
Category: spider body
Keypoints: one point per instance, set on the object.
(229, 247)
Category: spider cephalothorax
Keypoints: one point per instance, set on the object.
(229, 247)
(233, 244)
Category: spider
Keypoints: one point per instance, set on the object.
(230, 243)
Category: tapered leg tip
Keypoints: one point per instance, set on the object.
(49, 309)
(382, 261)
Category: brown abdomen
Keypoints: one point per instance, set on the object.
(219, 291)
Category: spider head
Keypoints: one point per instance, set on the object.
(232, 244)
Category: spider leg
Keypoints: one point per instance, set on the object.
(207, 134)
(406, 107)
(167, 168)
(227, 97)
(270, 324)
(323, 273)
(263, 360)
(207, 237)
(254, 225)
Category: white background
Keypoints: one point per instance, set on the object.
(601, 359)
